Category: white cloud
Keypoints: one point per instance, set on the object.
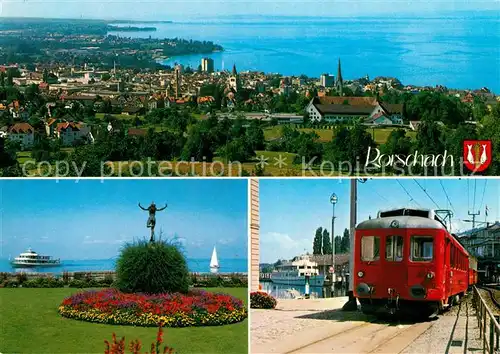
(275, 245)
(196, 244)
(225, 241)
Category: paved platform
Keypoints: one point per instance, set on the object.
(320, 326)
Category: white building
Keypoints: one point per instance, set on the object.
(327, 80)
(23, 133)
(349, 109)
(69, 132)
(207, 65)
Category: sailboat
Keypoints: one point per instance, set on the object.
(214, 262)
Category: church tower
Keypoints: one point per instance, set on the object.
(339, 85)
(234, 80)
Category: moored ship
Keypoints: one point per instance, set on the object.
(32, 259)
(294, 273)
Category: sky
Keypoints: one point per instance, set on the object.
(182, 10)
(93, 219)
(291, 210)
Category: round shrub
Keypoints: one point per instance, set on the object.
(261, 300)
(151, 268)
(197, 308)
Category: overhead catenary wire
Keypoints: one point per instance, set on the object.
(447, 197)
(474, 202)
(427, 194)
(484, 191)
(408, 193)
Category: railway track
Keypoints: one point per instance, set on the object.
(494, 293)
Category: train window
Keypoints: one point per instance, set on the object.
(370, 248)
(394, 248)
(421, 248)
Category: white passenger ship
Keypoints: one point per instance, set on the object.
(32, 259)
(295, 272)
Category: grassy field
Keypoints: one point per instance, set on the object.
(118, 116)
(30, 323)
(380, 135)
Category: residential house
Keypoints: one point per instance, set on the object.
(131, 110)
(386, 114)
(70, 133)
(23, 133)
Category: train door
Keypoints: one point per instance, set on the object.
(448, 272)
(396, 274)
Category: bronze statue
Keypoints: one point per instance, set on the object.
(152, 209)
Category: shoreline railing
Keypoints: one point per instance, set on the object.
(100, 275)
(489, 329)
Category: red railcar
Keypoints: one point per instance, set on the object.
(472, 270)
(406, 261)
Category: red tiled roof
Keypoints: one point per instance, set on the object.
(65, 125)
(19, 128)
(353, 101)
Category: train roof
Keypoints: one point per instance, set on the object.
(401, 222)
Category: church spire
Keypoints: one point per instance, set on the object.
(340, 82)
(234, 70)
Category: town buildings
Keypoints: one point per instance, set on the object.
(327, 80)
(207, 65)
(484, 244)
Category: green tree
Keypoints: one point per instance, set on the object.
(317, 243)
(2, 79)
(454, 139)
(327, 244)
(490, 130)
(10, 78)
(397, 143)
(338, 245)
(344, 243)
(430, 139)
(255, 136)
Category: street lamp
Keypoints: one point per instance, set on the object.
(333, 200)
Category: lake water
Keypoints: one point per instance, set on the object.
(194, 265)
(456, 52)
(281, 291)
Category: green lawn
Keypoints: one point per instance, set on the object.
(272, 133)
(30, 323)
(273, 157)
(23, 156)
(380, 135)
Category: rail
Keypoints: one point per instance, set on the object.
(490, 291)
(489, 329)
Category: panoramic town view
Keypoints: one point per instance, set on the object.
(174, 274)
(398, 276)
(182, 95)
(235, 176)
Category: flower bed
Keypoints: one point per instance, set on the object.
(198, 308)
(262, 300)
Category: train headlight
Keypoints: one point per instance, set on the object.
(430, 275)
(361, 274)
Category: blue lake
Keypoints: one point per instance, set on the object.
(194, 265)
(458, 52)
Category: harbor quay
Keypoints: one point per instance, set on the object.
(101, 275)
